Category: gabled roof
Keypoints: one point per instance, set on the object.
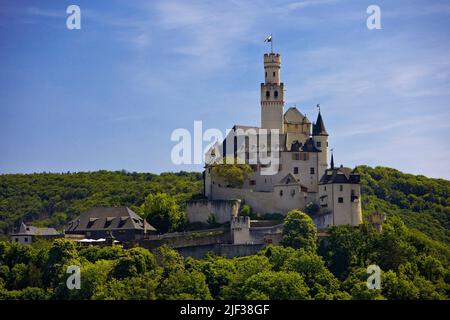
(289, 179)
(108, 218)
(293, 116)
(340, 175)
(36, 231)
(319, 127)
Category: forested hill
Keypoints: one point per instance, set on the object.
(52, 199)
(422, 203)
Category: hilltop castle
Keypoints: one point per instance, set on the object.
(289, 158)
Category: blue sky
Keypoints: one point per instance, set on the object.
(108, 96)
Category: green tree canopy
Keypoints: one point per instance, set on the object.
(163, 212)
(299, 231)
(234, 172)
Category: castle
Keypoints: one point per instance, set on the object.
(289, 158)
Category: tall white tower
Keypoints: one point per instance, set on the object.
(272, 93)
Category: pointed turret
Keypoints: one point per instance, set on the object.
(319, 127)
(332, 161)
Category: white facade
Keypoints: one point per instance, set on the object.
(300, 174)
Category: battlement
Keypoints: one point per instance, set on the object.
(240, 222)
(272, 58)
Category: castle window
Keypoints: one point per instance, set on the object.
(311, 170)
(274, 73)
(276, 94)
(340, 200)
(296, 156)
(325, 188)
(266, 74)
(252, 182)
(281, 193)
(319, 144)
(295, 170)
(293, 192)
(280, 167)
(341, 187)
(267, 94)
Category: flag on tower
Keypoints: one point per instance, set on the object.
(268, 38)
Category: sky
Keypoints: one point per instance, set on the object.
(109, 96)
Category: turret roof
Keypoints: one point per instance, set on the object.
(319, 127)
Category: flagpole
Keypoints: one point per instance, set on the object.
(271, 43)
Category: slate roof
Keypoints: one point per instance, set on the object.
(35, 231)
(309, 146)
(108, 218)
(340, 175)
(319, 127)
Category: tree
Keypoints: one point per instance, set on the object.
(162, 211)
(184, 285)
(233, 172)
(299, 231)
(246, 210)
(276, 286)
(342, 249)
(316, 275)
(245, 267)
(133, 263)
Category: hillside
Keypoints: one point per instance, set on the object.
(422, 203)
(52, 199)
(413, 254)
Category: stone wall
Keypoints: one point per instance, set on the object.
(223, 210)
(224, 250)
(265, 202)
(185, 239)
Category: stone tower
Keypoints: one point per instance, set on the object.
(272, 93)
(320, 137)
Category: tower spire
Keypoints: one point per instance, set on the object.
(332, 160)
(319, 126)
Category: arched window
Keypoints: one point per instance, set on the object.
(267, 94)
(276, 94)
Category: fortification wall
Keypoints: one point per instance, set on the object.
(224, 250)
(223, 210)
(265, 202)
(188, 239)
